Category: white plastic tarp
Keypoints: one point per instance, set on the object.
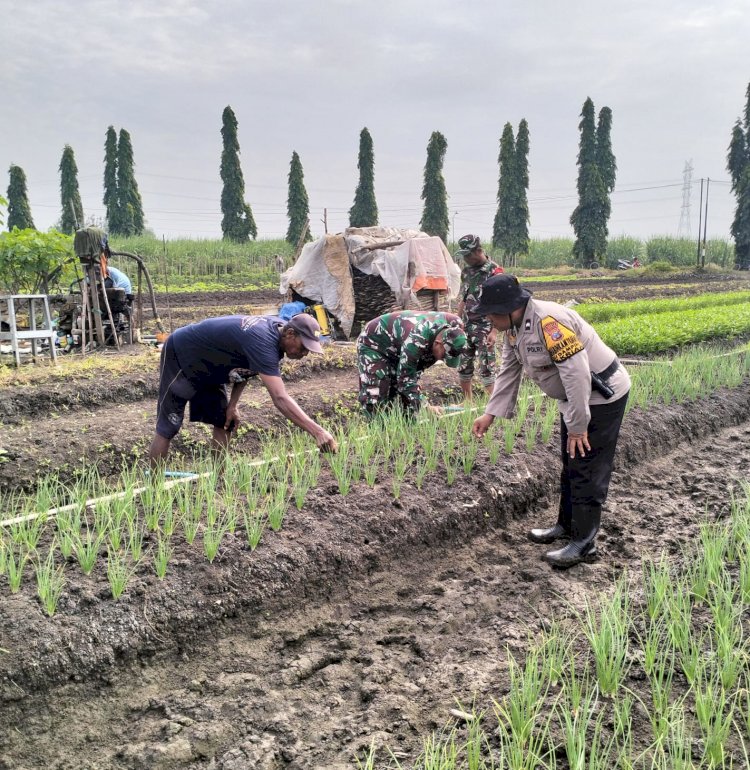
(407, 259)
(322, 274)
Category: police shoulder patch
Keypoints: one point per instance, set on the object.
(561, 342)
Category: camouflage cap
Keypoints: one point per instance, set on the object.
(467, 244)
(454, 339)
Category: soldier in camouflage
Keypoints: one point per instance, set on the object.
(393, 351)
(479, 332)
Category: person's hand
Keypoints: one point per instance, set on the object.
(482, 424)
(232, 419)
(492, 338)
(579, 442)
(326, 442)
(436, 409)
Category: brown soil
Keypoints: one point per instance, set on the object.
(194, 306)
(362, 620)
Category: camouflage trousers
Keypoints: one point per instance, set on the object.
(378, 385)
(477, 348)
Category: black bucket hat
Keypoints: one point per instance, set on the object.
(501, 294)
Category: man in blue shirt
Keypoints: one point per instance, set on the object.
(116, 279)
(198, 360)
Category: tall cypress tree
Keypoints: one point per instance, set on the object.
(110, 178)
(502, 230)
(237, 223)
(521, 219)
(435, 219)
(70, 197)
(129, 219)
(590, 217)
(510, 231)
(19, 211)
(297, 204)
(605, 159)
(738, 165)
(364, 212)
(737, 155)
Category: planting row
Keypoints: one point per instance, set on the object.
(137, 525)
(596, 313)
(656, 332)
(654, 676)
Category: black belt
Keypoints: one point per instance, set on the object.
(610, 370)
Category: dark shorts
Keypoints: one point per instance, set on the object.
(208, 405)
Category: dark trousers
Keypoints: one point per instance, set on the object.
(584, 481)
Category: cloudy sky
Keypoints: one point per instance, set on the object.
(308, 76)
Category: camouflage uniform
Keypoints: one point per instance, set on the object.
(477, 327)
(392, 352)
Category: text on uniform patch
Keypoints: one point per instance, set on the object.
(561, 342)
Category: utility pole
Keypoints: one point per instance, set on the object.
(325, 221)
(700, 222)
(453, 230)
(683, 231)
(705, 226)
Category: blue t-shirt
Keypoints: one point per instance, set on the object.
(209, 350)
(120, 280)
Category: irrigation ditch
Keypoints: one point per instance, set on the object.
(359, 621)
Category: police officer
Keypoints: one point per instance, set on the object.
(480, 335)
(393, 351)
(562, 354)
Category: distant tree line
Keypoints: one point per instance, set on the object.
(596, 163)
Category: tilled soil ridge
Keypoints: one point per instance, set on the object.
(331, 541)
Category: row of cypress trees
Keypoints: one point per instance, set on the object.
(124, 208)
(597, 169)
(510, 230)
(122, 200)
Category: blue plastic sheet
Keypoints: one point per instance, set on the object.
(290, 309)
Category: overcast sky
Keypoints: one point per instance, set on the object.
(309, 76)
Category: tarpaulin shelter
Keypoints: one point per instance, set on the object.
(367, 271)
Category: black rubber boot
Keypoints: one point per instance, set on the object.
(559, 530)
(548, 535)
(583, 529)
(573, 553)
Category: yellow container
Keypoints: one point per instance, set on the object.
(322, 318)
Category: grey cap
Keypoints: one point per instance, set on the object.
(309, 331)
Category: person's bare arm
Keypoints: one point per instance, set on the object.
(232, 419)
(292, 411)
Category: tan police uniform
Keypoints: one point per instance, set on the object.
(558, 350)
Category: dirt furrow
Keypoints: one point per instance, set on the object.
(361, 620)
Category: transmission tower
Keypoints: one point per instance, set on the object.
(683, 231)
